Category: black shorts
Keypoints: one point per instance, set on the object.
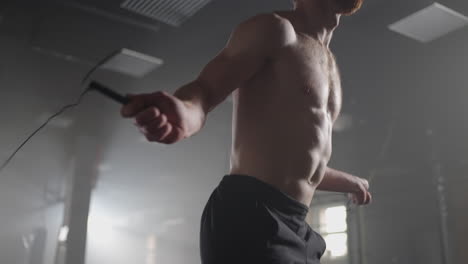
(249, 221)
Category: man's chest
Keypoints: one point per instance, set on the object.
(311, 73)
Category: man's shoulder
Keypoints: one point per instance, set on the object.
(269, 24)
(268, 19)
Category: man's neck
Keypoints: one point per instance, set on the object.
(315, 24)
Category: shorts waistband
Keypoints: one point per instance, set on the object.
(250, 186)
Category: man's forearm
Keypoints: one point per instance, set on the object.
(338, 181)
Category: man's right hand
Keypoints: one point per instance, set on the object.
(161, 117)
(361, 195)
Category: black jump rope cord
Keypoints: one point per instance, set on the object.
(42, 126)
(92, 86)
(102, 89)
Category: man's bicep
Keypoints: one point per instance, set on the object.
(251, 44)
(226, 72)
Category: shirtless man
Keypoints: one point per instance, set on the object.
(287, 96)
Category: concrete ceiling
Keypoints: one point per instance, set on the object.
(149, 185)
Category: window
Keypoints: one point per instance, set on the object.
(333, 228)
(330, 220)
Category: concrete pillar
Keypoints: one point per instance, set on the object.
(83, 180)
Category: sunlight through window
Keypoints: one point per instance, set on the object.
(334, 219)
(337, 244)
(334, 229)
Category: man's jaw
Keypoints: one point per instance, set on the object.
(348, 7)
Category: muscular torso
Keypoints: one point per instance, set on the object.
(283, 117)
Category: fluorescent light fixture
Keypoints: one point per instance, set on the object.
(430, 23)
(131, 63)
(173, 12)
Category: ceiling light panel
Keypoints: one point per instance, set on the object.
(430, 23)
(172, 12)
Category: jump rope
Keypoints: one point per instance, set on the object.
(98, 87)
(93, 86)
